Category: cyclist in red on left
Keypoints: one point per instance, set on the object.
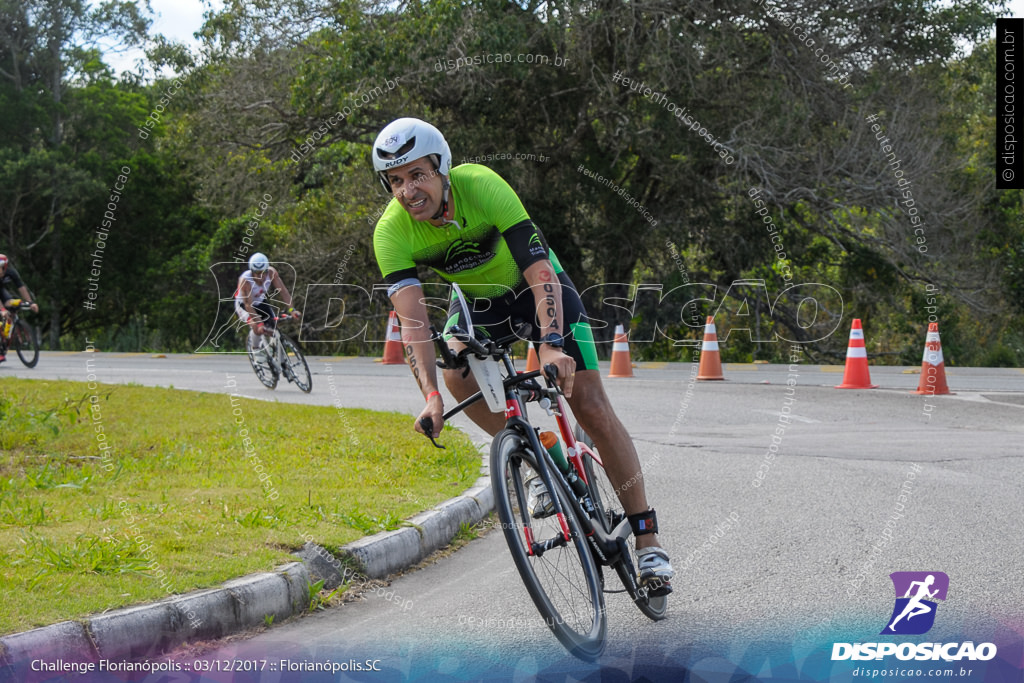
(10, 283)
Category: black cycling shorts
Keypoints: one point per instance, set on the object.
(496, 318)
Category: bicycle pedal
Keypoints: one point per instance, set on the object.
(657, 588)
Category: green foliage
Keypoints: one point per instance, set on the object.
(85, 554)
(272, 76)
(319, 598)
(466, 533)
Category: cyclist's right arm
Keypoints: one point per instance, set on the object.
(245, 292)
(419, 350)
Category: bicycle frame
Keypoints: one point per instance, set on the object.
(14, 306)
(279, 354)
(275, 356)
(607, 548)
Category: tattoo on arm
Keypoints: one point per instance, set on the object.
(413, 366)
(551, 307)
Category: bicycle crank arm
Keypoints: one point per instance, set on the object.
(538, 549)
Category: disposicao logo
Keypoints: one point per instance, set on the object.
(914, 614)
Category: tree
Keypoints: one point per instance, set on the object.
(49, 47)
(687, 112)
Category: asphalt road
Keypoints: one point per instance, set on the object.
(796, 568)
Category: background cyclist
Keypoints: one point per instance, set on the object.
(11, 285)
(251, 304)
(469, 227)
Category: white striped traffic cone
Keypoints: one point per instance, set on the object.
(710, 359)
(532, 360)
(622, 366)
(393, 343)
(933, 367)
(856, 375)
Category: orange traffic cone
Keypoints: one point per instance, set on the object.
(933, 369)
(856, 375)
(532, 361)
(710, 359)
(622, 366)
(393, 343)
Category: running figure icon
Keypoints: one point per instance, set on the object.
(919, 591)
(915, 606)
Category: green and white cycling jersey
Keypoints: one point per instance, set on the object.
(486, 256)
(495, 240)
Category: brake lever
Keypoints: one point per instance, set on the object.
(428, 429)
(551, 375)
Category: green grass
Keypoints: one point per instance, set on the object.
(178, 503)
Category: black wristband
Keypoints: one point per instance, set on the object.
(643, 523)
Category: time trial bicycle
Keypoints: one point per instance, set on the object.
(561, 549)
(274, 355)
(19, 336)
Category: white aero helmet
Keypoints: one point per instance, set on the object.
(258, 262)
(405, 140)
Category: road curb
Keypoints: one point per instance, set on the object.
(240, 604)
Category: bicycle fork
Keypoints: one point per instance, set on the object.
(514, 416)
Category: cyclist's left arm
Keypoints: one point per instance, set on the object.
(23, 290)
(278, 284)
(529, 250)
(13, 280)
(547, 297)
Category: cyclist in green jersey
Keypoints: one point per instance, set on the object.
(469, 226)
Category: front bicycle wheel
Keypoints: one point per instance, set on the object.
(611, 512)
(264, 370)
(559, 574)
(295, 367)
(25, 343)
